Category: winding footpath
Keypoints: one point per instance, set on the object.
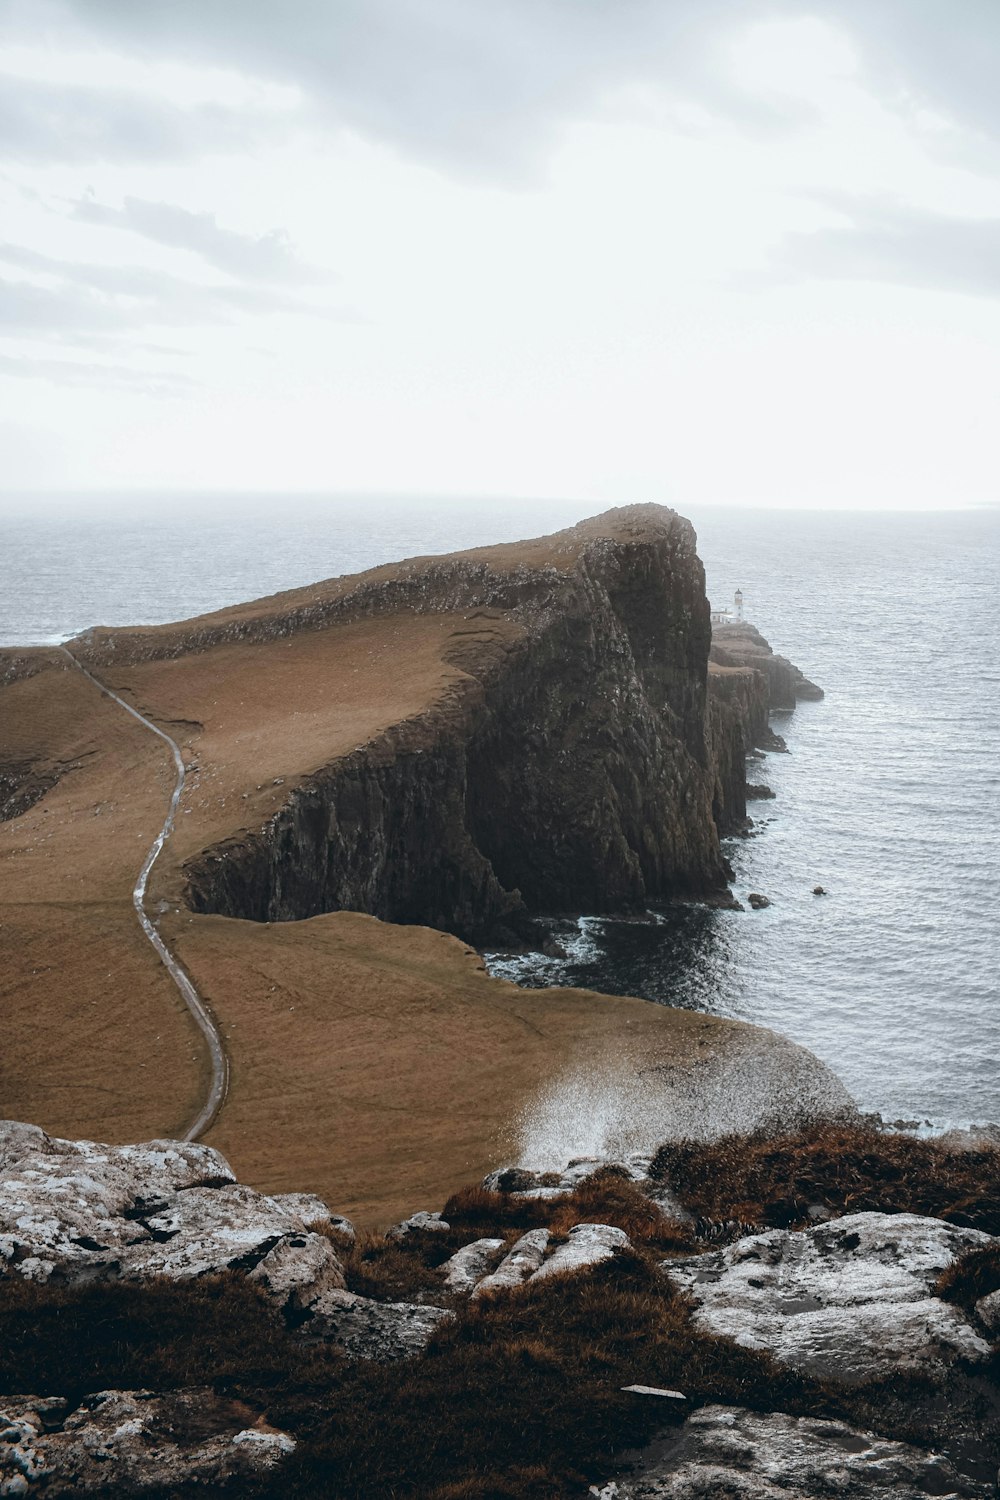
(202, 1015)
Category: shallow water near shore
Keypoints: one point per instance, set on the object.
(887, 797)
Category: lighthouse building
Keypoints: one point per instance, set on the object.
(732, 616)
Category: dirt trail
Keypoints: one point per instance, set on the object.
(203, 1018)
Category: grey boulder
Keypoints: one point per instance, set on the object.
(522, 1261)
(468, 1266)
(726, 1453)
(988, 1312)
(133, 1438)
(419, 1223)
(587, 1245)
(849, 1300)
(379, 1331)
(78, 1211)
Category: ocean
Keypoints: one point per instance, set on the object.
(887, 797)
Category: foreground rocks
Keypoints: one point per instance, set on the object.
(380, 1331)
(726, 1453)
(850, 1300)
(76, 1212)
(845, 1302)
(79, 1211)
(125, 1442)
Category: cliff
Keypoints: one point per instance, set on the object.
(746, 683)
(741, 644)
(567, 769)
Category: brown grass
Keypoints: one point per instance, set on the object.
(971, 1277)
(520, 1397)
(845, 1169)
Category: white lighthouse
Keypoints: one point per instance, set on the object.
(738, 601)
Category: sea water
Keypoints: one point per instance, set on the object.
(888, 796)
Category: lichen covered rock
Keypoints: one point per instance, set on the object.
(127, 1442)
(78, 1211)
(847, 1301)
(726, 1453)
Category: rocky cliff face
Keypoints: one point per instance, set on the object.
(742, 645)
(571, 772)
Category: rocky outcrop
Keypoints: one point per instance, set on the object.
(519, 1265)
(22, 784)
(734, 1454)
(586, 1245)
(469, 1265)
(78, 1211)
(380, 1331)
(569, 771)
(849, 1301)
(129, 1442)
(746, 683)
(741, 644)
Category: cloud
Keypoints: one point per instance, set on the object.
(42, 121)
(483, 85)
(473, 85)
(102, 297)
(897, 243)
(104, 376)
(266, 257)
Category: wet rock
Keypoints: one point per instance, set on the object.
(125, 1442)
(847, 1301)
(418, 1223)
(379, 1331)
(726, 1453)
(468, 1266)
(79, 1211)
(758, 792)
(523, 1261)
(757, 901)
(818, 890)
(588, 1245)
(552, 949)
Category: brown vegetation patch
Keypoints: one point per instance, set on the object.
(971, 1277)
(606, 1197)
(842, 1168)
(521, 1397)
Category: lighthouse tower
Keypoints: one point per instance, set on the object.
(739, 604)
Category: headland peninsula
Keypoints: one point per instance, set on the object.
(379, 771)
(248, 863)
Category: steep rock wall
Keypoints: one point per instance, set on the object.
(572, 773)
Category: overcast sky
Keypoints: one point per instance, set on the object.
(734, 251)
